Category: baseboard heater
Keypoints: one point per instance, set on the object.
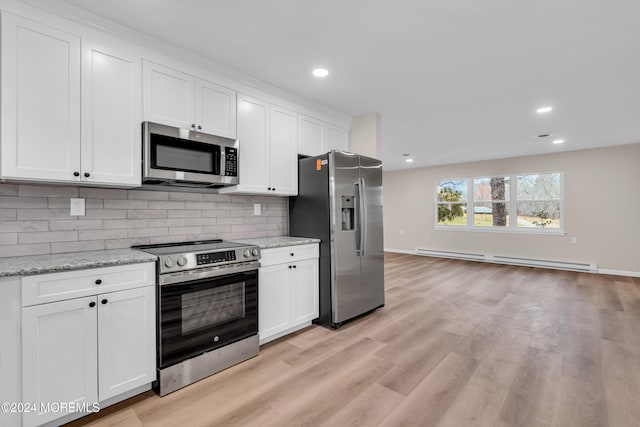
(527, 262)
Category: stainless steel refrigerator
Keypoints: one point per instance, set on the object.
(340, 202)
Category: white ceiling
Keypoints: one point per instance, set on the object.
(454, 80)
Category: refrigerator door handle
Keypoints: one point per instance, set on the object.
(362, 215)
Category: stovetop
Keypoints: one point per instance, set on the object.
(184, 256)
(186, 247)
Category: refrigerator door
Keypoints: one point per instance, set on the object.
(346, 297)
(372, 259)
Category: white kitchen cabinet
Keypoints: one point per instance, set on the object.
(336, 138)
(174, 98)
(126, 341)
(43, 137)
(317, 137)
(87, 349)
(287, 291)
(59, 356)
(40, 86)
(268, 159)
(111, 114)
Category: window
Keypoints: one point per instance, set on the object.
(518, 202)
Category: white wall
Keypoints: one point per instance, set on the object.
(601, 210)
(364, 136)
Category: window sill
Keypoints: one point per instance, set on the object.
(536, 232)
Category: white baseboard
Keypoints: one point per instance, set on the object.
(488, 258)
(619, 272)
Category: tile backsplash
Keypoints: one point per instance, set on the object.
(35, 219)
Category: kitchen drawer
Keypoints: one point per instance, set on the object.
(44, 288)
(288, 254)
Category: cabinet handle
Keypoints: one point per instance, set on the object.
(289, 266)
(199, 127)
(274, 188)
(76, 174)
(193, 125)
(87, 174)
(294, 266)
(104, 301)
(269, 188)
(98, 281)
(291, 254)
(92, 304)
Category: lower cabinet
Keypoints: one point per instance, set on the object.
(287, 290)
(86, 350)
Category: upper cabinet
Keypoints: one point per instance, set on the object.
(316, 137)
(52, 128)
(268, 138)
(174, 98)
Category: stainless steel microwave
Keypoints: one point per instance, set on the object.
(186, 158)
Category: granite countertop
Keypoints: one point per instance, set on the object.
(278, 242)
(39, 264)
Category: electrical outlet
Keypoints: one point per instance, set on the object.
(77, 207)
(574, 240)
(257, 209)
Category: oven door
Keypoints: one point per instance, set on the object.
(206, 313)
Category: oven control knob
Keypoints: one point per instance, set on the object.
(168, 263)
(246, 253)
(254, 252)
(182, 261)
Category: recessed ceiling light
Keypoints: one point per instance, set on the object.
(544, 110)
(409, 160)
(558, 141)
(320, 72)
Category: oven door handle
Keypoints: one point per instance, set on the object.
(205, 273)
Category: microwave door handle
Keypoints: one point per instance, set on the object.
(223, 156)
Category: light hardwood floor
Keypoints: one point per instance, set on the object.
(457, 344)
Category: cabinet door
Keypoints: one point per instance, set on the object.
(253, 134)
(335, 139)
(304, 291)
(273, 301)
(126, 340)
(284, 157)
(59, 355)
(215, 109)
(111, 115)
(309, 135)
(40, 85)
(167, 96)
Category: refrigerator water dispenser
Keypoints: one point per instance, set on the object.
(347, 213)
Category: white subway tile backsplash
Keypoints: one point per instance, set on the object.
(8, 238)
(21, 250)
(85, 245)
(23, 226)
(102, 193)
(8, 214)
(47, 236)
(8, 189)
(76, 224)
(102, 234)
(148, 232)
(35, 219)
(148, 195)
(47, 191)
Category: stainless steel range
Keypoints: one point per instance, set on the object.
(207, 309)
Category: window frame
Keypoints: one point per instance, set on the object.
(512, 204)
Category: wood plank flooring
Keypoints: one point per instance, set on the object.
(458, 343)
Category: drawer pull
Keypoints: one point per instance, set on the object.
(294, 266)
(92, 304)
(291, 254)
(289, 266)
(104, 301)
(98, 281)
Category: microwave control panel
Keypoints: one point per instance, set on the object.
(231, 161)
